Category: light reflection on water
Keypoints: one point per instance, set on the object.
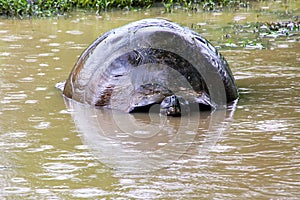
(140, 143)
(44, 156)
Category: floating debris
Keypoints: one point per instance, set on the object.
(252, 35)
(276, 29)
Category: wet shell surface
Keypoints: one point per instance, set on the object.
(143, 62)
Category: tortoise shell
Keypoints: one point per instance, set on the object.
(141, 63)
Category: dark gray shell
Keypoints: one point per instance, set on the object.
(141, 63)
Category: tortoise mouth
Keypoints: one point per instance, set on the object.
(170, 106)
(172, 111)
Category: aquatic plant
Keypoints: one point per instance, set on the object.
(256, 35)
(276, 29)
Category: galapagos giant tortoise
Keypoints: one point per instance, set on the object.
(151, 61)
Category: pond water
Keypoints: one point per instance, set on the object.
(53, 148)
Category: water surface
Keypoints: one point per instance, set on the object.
(49, 150)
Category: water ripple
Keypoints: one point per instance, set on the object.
(26, 79)
(16, 190)
(42, 125)
(74, 32)
(88, 193)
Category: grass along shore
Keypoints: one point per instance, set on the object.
(48, 8)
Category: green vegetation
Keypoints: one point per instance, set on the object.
(238, 35)
(29, 8)
(21, 8)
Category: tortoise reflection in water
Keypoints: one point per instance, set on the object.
(151, 61)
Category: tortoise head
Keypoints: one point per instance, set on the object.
(170, 106)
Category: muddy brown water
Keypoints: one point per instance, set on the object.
(56, 149)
